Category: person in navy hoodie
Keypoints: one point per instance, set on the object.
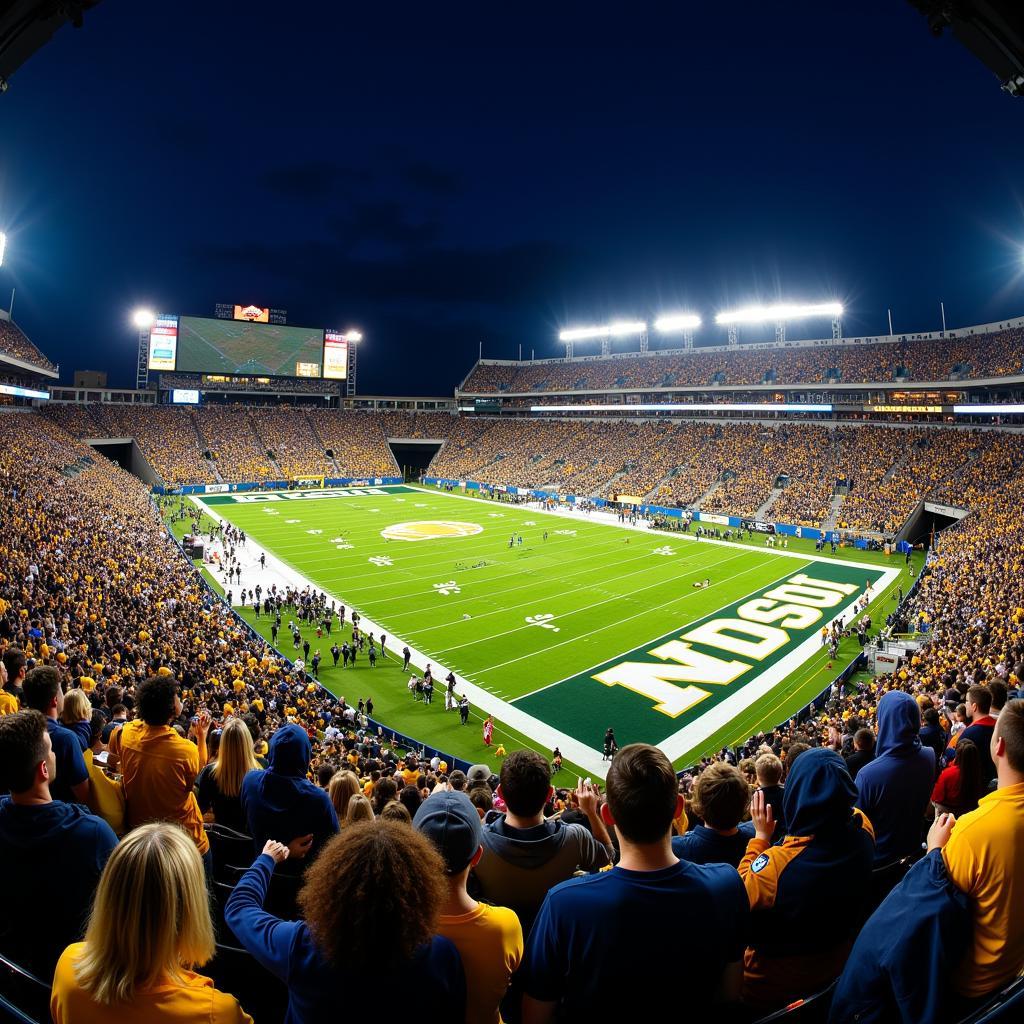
(895, 788)
(43, 843)
(371, 904)
(827, 850)
(281, 803)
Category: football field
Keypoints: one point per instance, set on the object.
(562, 626)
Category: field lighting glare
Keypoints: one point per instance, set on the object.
(613, 330)
(353, 336)
(779, 313)
(143, 318)
(677, 322)
(3, 247)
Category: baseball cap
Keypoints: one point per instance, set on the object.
(450, 821)
(478, 773)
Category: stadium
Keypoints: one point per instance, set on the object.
(309, 689)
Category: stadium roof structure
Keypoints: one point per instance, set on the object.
(28, 25)
(993, 30)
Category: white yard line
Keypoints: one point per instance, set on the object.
(598, 604)
(577, 752)
(610, 519)
(586, 757)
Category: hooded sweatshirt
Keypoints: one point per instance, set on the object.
(52, 856)
(519, 865)
(281, 803)
(902, 962)
(894, 789)
(827, 851)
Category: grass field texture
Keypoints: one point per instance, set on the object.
(532, 623)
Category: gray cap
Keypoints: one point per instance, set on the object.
(450, 821)
(478, 773)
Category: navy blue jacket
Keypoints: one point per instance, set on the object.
(281, 803)
(893, 790)
(703, 845)
(433, 981)
(899, 969)
(51, 856)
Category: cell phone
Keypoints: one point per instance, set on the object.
(587, 780)
(579, 782)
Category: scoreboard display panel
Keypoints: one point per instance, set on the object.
(163, 343)
(206, 345)
(335, 355)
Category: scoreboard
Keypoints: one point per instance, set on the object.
(249, 343)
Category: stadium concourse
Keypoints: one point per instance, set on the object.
(104, 622)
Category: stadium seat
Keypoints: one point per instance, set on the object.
(25, 998)
(221, 893)
(884, 879)
(1005, 1006)
(812, 1010)
(229, 847)
(236, 971)
(282, 898)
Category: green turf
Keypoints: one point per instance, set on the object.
(607, 590)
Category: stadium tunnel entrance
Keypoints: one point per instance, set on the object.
(119, 452)
(929, 521)
(413, 455)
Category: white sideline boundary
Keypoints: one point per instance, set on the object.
(589, 758)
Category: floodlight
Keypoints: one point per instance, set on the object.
(353, 336)
(143, 318)
(616, 329)
(775, 314)
(677, 322)
(3, 247)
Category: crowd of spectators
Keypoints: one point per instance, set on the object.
(14, 342)
(297, 450)
(723, 467)
(458, 889)
(993, 354)
(278, 385)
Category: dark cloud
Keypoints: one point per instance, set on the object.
(498, 277)
(312, 179)
(431, 178)
(383, 221)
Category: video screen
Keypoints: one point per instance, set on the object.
(234, 347)
(335, 356)
(184, 396)
(163, 343)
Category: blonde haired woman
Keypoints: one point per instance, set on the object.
(76, 716)
(359, 809)
(343, 786)
(150, 925)
(219, 786)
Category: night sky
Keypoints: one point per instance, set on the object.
(448, 174)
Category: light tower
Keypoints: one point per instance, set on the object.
(143, 319)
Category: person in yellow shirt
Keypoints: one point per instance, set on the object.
(489, 939)
(157, 766)
(106, 797)
(142, 974)
(982, 855)
(13, 667)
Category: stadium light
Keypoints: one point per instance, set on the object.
(778, 313)
(677, 322)
(613, 330)
(143, 318)
(3, 247)
(353, 336)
